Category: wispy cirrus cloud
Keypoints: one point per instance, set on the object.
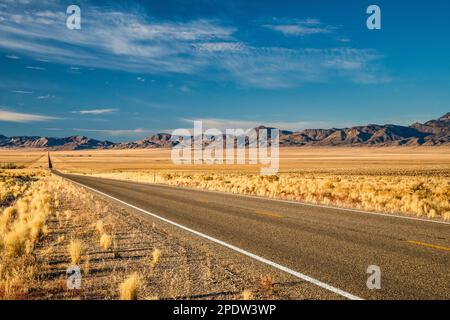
(10, 116)
(296, 27)
(223, 124)
(132, 41)
(116, 132)
(286, 68)
(109, 38)
(220, 47)
(95, 111)
(22, 92)
(35, 68)
(45, 97)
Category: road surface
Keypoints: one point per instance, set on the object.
(330, 245)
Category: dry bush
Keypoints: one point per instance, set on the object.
(116, 249)
(14, 242)
(129, 289)
(247, 295)
(74, 249)
(68, 214)
(87, 266)
(60, 239)
(267, 283)
(10, 165)
(156, 255)
(23, 225)
(6, 217)
(14, 183)
(100, 226)
(15, 281)
(106, 241)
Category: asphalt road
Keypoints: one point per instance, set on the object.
(331, 245)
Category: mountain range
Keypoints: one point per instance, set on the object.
(431, 133)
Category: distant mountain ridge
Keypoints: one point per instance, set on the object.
(69, 143)
(431, 133)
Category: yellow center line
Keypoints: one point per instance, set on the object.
(270, 214)
(428, 245)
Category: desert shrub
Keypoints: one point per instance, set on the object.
(74, 249)
(106, 241)
(130, 287)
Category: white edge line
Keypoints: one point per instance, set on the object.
(275, 199)
(232, 247)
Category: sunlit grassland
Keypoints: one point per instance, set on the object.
(407, 180)
(27, 201)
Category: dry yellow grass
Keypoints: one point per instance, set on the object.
(385, 159)
(247, 295)
(87, 266)
(408, 180)
(28, 158)
(267, 282)
(35, 245)
(106, 241)
(100, 227)
(156, 256)
(129, 289)
(409, 194)
(22, 225)
(14, 183)
(74, 249)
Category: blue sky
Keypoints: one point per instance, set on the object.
(136, 68)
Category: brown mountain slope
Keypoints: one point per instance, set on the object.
(69, 143)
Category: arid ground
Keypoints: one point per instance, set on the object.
(407, 180)
(414, 181)
(49, 223)
(419, 160)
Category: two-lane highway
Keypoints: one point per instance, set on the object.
(330, 245)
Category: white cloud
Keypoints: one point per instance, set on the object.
(297, 30)
(184, 88)
(120, 40)
(287, 68)
(13, 57)
(220, 46)
(22, 92)
(344, 40)
(134, 42)
(45, 97)
(10, 116)
(34, 68)
(95, 111)
(300, 27)
(223, 124)
(115, 132)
